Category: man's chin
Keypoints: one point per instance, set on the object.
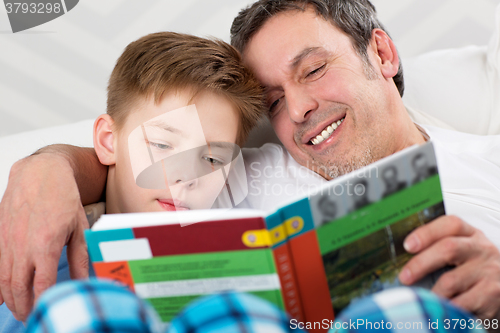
(331, 170)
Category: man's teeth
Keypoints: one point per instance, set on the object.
(327, 132)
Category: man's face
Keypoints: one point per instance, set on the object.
(333, 112)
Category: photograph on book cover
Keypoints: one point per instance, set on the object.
(365, 253)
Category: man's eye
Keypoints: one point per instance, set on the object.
(212, 160)
(275, 103)
(161, 146)
(316, 71)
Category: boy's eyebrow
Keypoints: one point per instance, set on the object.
(164, 126)
(223, 145)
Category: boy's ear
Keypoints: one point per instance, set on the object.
(385, 50)
(104, 139)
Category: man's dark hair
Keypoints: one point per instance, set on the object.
(356, 18)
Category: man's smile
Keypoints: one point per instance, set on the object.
(326, 132)
(323, 133)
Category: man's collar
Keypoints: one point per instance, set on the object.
(423, 132)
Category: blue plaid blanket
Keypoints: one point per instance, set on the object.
(99, 306)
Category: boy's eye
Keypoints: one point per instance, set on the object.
(212, 160)
(161, 146)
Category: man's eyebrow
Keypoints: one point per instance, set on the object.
(164, 126)
(302, 55)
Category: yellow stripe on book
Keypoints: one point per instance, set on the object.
(256, 238)
(277, 234)
(294, 225)
(263, 237)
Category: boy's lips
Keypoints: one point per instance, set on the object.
(172, 205)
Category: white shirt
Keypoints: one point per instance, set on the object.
(469, 169)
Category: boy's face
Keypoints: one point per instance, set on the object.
(178, 131)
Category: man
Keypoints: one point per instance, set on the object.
(325, 62)
(333, 84)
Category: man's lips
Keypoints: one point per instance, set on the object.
(172, 205)
(311, 135)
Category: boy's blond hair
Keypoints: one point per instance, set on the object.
(166, 61)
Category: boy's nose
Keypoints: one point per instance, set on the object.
(190, 184)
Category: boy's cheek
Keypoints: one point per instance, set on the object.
(138, 152)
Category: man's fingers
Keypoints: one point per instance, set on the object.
(483, 299)
(22, 292)
(442, 227)
(457, 280)
(78, 259)
(5, 281)
(451, 251)
(45, 275)
(1, 298)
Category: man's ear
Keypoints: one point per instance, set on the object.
(386, 53)
(104, 139)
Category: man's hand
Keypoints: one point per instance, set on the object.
(474, 284)
(41, 211)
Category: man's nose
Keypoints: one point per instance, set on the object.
(300, 103)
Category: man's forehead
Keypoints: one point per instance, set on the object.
(295, 18)
(290, 37)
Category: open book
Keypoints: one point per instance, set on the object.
(311, 257)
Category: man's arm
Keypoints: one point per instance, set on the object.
(40, 212)
(474, 284)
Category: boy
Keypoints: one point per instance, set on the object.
(171, 93)
(181, 93)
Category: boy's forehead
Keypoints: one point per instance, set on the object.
(183, 122)
(199, 117)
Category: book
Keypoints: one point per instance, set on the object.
(311, 257)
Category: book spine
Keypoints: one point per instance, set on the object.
(289, 288)
(304, 252)
(311, 279)
(278, 238)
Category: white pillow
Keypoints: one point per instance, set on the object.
(14, 147)
(458, 86)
